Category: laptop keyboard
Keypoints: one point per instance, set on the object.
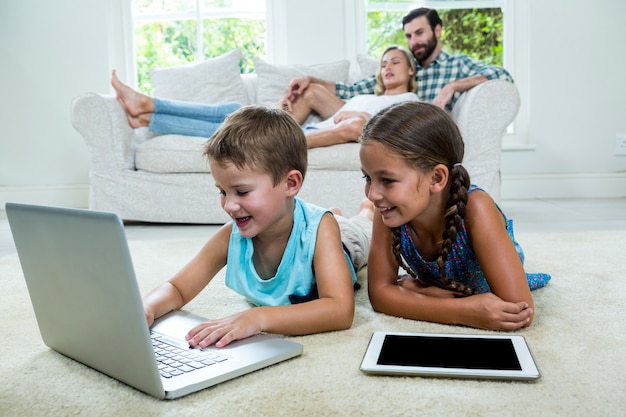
(174, 360)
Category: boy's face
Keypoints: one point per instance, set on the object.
(250, 198)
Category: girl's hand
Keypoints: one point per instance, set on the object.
(488, 311)
(223, 331)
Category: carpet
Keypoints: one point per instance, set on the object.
(577, 340)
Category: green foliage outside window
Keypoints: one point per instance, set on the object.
(171, 43)
(477, 33)
(162, 44)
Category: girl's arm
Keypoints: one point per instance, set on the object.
(189, 281)
(334, 310)
(495, 251)
(386, 296)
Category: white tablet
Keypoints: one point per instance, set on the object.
(450, 356)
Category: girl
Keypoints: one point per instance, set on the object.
(458, 247)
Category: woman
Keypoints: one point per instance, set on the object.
(396, 83)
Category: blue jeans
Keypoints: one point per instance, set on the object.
(190, 119)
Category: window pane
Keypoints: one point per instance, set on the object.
(161, 45)
(153, 7)
(223, 35)
(167, 33)
(474, 32)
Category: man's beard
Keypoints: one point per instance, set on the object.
(428, 49)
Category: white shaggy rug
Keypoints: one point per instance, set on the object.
(578, 341)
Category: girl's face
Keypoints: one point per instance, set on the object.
(395, 71)
(251, 199)
(399, 191)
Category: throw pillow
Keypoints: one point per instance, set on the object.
(216, 80)
(367, 64)
(272, 80)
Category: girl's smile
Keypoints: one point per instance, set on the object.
(399, 191)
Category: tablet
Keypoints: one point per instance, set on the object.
(450, 356)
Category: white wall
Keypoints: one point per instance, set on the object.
(50, 52)
(54, 51)
(577, 102)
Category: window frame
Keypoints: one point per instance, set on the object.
(198, 14)
(515, 50)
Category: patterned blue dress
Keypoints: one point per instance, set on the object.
(462, 265)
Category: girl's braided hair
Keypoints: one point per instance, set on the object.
(425, 136)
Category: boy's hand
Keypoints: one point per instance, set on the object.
(223, 331)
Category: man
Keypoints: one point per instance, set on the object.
(441, 77)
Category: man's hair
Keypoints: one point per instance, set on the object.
(259, 137)
(431, 15)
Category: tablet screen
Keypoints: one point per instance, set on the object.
(446, 352)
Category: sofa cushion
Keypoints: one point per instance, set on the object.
(367, 64)
(272, 80)
(216, 80)
(170, 154)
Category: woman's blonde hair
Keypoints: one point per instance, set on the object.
(412, 84)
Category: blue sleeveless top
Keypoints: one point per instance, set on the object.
(295, 278)
(462, 265)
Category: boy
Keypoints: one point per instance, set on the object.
(284, 255)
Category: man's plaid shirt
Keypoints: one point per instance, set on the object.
(443, 70)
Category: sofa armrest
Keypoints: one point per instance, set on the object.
(483, 114)
(103, 124)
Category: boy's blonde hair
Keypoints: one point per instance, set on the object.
(259, 137)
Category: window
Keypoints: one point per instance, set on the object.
(473, 28)
(174, 32)
(492, 31)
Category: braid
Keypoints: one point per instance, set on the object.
(426, 136)
(455, 213)
(396, 246)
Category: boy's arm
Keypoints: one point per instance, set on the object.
(333, 310)
(191, 279)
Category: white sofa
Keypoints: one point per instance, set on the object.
(164, 178)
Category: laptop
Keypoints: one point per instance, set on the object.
(88, 307)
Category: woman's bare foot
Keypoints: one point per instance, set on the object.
(134, 102)
(143, 120)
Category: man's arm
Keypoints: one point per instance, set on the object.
(347, 91)
(470, 74)
(457, 86)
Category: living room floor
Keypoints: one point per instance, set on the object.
(537, 215)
